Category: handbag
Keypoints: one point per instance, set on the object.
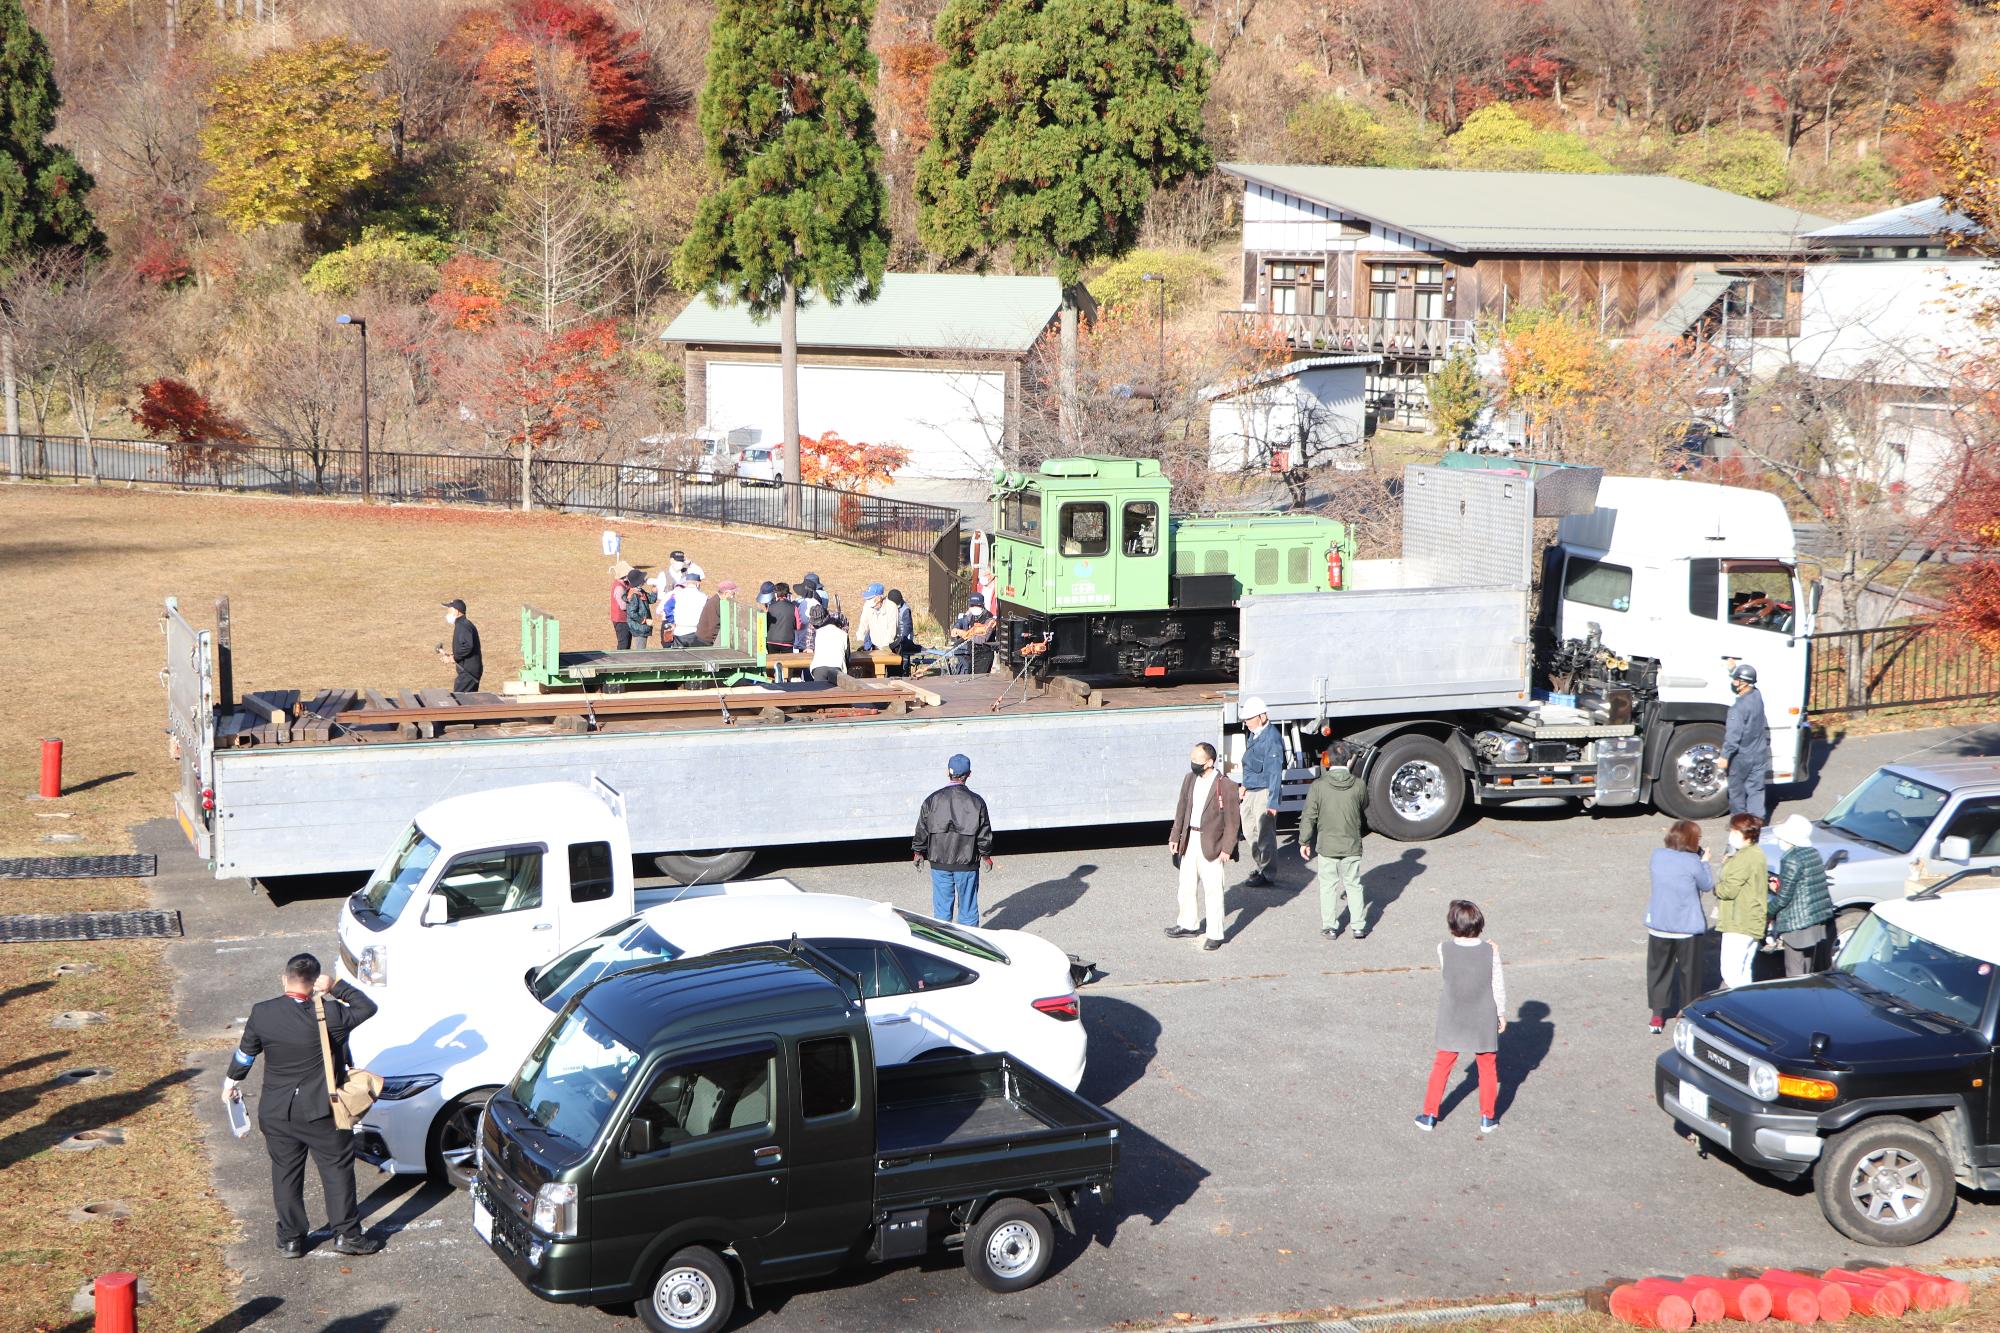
(351, 1099)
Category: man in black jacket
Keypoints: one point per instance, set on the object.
(296, 1113)
(464, 654)
(954, 835)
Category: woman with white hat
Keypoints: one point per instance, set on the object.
(1801, 909)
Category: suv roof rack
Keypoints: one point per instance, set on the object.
(1930, 891)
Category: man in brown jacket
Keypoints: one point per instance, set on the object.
(1210, 806)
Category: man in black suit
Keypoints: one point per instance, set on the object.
(296, 1114)
(464, 651)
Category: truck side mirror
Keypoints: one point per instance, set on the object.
(637, 1140)
(1955, 849)
(437, 912)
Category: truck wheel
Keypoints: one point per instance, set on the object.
(694, 1293)
(1690, 785)
(1415, 789)
(1886, 1182)
(1009, 1247)
(453, 1156)
(703, 867)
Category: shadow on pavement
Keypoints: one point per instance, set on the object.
(1382, 885)
(1153, 1178)
(22, 992)
(286, 889)
(1523, 1047)
(1037, 902)
(413, 1196)
(368, 1321)
(245, 1315)
(91, 1113)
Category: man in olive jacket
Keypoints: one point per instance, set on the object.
(1331, 826)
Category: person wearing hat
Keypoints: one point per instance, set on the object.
(1746, 744)
(955, 835)
(619, 630)
(878, 619)
(684, 610)
(1801, 909)
(1263, 771)
(677, 563)
(974, 629)
(829, 645)
(639, 604)
(464, 651)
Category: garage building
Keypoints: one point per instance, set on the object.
(933, 365)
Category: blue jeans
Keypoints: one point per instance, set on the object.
(959, 888)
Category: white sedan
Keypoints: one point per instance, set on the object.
(927, 986)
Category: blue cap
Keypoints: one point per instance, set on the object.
(958, 766)
(872, 590)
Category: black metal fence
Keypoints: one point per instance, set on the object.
(623, 490)
(1897, 666)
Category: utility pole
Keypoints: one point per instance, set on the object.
(362, 326)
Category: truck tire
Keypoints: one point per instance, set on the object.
(1886, 1182)
(703, 867)
(1416, 789)
(452, 1154)
(1010, 1246)
(1689, 785)
(694, 1292)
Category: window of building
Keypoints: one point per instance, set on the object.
(1284, 300)
(507, 879)
(1430, 303)
(826, 1076)
(589, 872)
(1086, 529)
(1142, 528)
(1381, 302)
(1595, 583)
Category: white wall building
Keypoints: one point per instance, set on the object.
(1313, 410)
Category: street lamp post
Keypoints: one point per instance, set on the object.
(1160, 279)
(362, 325)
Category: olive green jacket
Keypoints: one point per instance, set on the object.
(1331, 824)
(1741, 892)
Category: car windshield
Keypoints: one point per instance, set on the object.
(574, 1078)
(1888, 810)
(1921, 974)
(950, 936)
(390, 889)
(628, 944)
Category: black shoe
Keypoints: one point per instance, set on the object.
(1181, 933)
(1210, 946)
(292, 1249)
(359, 1243)
(1257, 880)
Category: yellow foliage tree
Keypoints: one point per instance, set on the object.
(294, 130)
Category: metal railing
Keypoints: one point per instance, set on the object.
(1897, 666)
(626, 490)
(1358, 333)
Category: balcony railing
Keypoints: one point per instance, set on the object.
(1357, 333)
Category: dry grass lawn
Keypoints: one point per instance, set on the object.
(322, 595)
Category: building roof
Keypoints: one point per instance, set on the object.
(1555, 212)
(1925, 220)
(916, 312)
(1703, 292)
(1290, 370)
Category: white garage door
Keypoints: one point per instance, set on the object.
(949, 420)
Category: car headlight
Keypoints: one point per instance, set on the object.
(374, 967)
(1684, 1038)
(555, 1209)
(405, 1085)
(1763, 1081)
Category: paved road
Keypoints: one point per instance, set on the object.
(1270, 1163)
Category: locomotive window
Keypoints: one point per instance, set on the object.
(1086, 529)
(1267, 566)
(1142, 528)
(1595, 583)
(1216, 562)
(1021, 515)
(1296, 564)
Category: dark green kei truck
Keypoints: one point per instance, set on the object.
(687, 1132)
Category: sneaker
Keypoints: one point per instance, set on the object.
(1210, 946)
(1427, 1123)
(1361, 932)
(1257, 880)
(358, 1243)
(1656, 1025)
(1487, 1124)
(1331, 932)
(292, 1249)
(1181, 933)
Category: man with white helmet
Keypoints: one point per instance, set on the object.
(1746, 744)
(1263, 779)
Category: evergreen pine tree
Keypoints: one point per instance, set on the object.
(788, 119)
(42, 187)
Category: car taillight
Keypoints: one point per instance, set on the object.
(1065, 1007)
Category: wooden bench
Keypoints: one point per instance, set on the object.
(793, 666)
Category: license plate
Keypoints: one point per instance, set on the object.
(482, 1221)
(1694, 1099)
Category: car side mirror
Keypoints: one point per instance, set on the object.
(1955, 849)
(637, 1140)
(437, 912)
(1836, 858)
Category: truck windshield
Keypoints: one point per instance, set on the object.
(1921, 974)
(575, 1077)
(399, 876)
(628, 944)
(1888, 810)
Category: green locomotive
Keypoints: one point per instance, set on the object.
(1091, 571)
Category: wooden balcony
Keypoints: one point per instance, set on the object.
(1356, 333)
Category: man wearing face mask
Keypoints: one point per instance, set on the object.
(1208, 821)
(464, 651)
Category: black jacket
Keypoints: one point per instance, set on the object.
(465, 647)
(953, 832)
(284, 1032)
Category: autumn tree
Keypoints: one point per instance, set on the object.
(564, 68)
(1457, 394)
(1497, 138)
(1059, 178)
(418, 66)
(537, 394)
(554, 241)
(293, 131)
(1973, 520)
(788, 121)
(197, 430)
(1951, 148)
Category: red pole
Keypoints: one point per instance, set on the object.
(51, 787)
(117, 1298)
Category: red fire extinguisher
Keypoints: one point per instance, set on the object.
(1334, 569)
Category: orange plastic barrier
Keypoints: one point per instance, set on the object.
(1706, 1304)
(1743, 1298)
(1835, 1304)
(1943, 1292)
(1643, 1308)
(1910, 1287)
(1874, 1297)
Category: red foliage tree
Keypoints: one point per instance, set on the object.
(533, 392)
(159, 261)
(194, 425)
(1974, 606)
(471, 294)
(517, 53)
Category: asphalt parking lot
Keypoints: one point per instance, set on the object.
(1270, 1162)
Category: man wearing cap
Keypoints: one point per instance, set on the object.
(464, 651)
(878, 620)
(954, 835)
(1263, 777)
(683, 609)
(1746, 744)
(975, 630)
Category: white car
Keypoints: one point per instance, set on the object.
(927, 986)
(758, 466)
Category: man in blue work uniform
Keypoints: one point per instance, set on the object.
(1746, 744)
(1263, 777)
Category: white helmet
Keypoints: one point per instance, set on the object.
(1251, 707)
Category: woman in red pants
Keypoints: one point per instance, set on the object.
(1475, 995)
